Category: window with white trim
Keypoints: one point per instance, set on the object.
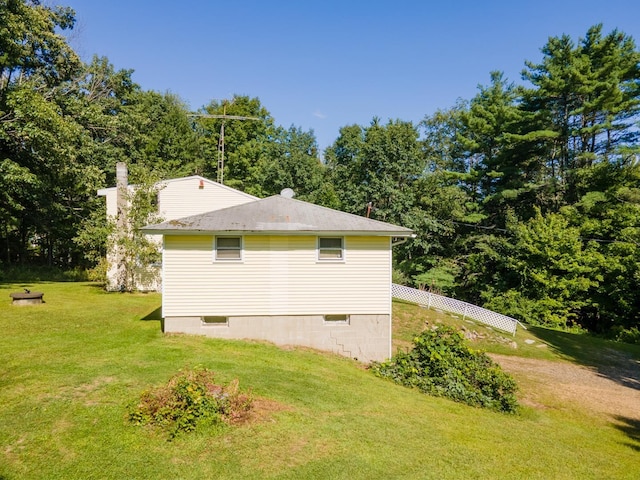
(228, 248)
(330, 248)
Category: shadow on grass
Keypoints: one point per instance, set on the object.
(155, 315)
(617, 362)
(631, 427)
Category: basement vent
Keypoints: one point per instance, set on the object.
(336, 319)
(220, 321)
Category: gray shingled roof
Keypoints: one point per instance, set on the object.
(277, 215)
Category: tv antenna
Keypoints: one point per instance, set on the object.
(224, 117)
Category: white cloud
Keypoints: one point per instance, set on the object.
(319, 115)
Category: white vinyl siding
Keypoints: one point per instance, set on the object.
(112, 203)
(184, 197)
(279, 275)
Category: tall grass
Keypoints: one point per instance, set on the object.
(70, 367)
(40, 273)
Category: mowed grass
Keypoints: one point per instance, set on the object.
(70, 367)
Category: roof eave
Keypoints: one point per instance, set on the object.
(356, 233)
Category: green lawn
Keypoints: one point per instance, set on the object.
(70, 367)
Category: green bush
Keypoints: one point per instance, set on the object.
(628, 335)
(191, 398)
(441, 364)
(98, 273)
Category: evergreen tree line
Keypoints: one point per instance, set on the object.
(524, 199)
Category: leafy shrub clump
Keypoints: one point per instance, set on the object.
(628, 335)
(441, 364)
(191, 398)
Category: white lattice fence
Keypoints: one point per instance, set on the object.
(432, 300)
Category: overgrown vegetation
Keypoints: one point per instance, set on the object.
(628, 335)
(189, 400)
(442, 364)
(41, 273)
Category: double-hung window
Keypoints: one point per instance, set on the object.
(331, 248)
(228, 248)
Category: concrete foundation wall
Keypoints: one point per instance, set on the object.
(365, 337)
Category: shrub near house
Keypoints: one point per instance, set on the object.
(441, 364)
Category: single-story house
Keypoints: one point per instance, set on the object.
(281, 270)
(176, 198)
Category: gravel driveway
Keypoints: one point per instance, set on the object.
(610, 391)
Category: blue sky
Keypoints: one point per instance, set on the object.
(321, 65)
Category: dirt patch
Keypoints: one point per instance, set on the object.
(262, 410)
(547, 384)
